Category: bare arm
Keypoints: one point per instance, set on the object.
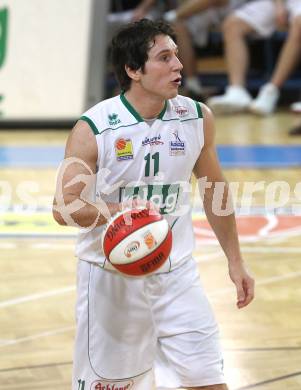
(72, 205)
(142, 9)
(281, 14)
(224, 226)
(192, 7)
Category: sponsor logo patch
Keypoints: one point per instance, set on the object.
(176, 147)
(152, 141)
(124, 149)
(110, 385)
(181, 111)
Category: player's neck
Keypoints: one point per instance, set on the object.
(147, 106)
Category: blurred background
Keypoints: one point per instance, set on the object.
(54, 64)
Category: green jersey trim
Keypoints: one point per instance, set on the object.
(198, 108)
(180, 120)
(119, 127)
(160, 116)
(130, 108)
(90, 123)
(173, 224)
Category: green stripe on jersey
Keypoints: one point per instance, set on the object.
(90, 123)
(199, 110)
(163, 111)
(130, 108)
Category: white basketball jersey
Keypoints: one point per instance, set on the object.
(151, 162)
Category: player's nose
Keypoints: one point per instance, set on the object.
(177, 64)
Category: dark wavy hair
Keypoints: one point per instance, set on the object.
(131, 44)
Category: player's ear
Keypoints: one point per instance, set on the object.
(133, 74)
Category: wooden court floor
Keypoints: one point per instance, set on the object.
(262, 343)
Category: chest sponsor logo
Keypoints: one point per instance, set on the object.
(181, 111)
(164, 196)
(124, 149)
(109, 385)
(177, 146)
(156, 140)
(113, 119)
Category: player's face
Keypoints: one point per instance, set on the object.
(162, 70)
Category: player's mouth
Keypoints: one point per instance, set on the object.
(177, 81)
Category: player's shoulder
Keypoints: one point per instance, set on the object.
(185, 108)
(107, 114)
(111, 114)
(102, 109)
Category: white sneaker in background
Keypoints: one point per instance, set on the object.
(235, 99)
(266, 100)
(296, 107)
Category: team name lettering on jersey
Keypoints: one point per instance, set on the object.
(156, 140)
(164, 196)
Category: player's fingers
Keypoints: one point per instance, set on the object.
(134, 203)
(249, 293)
(240, 293)
(152, 206)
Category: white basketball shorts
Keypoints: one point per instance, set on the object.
(134, 332)
(294, 8)
(260, 15)
(201, 23)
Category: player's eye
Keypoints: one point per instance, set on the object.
(165, 58)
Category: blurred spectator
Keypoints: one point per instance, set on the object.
(257, 17)
(192, 21)
(125, 11)
(286, 12)
(260, 17)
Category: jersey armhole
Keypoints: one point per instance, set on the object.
(90, 123)
(198, 109)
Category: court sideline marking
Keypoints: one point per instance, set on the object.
(4, 343)
(35, 297)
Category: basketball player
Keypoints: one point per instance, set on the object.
(145, 143)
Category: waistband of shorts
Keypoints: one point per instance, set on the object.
(102, 266)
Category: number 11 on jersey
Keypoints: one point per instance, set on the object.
(155, 158)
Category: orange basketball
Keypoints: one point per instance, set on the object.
(137, 242)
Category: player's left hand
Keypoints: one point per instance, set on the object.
(244, 283)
